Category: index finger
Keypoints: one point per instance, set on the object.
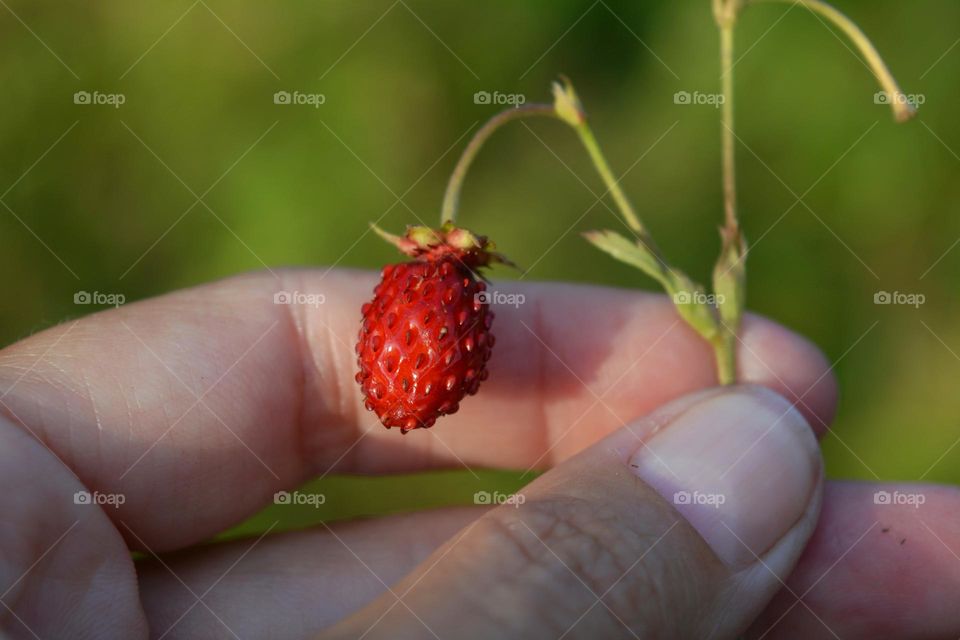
(204, 402)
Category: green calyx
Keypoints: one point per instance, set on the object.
(424, 243)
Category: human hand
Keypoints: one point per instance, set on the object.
(197, 406)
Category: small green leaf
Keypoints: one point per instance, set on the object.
(629, 252)
(693, 304)
(690, 299)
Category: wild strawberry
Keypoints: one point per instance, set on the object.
(425, 338)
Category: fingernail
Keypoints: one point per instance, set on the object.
(740, 466)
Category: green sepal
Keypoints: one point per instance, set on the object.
(730, 279)
(566, 103)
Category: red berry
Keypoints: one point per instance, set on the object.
(425, 337)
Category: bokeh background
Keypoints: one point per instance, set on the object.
(98, 198)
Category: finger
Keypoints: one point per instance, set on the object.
(64, 569)
(290, 585)
(873, 570)
(216, 391)
(865, 583)
(678, 527)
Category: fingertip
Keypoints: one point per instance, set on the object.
(788, 363)
(880, 564)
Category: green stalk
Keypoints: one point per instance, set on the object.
(729, 160)
(730, 272)
(729, 278)
(451, 199)
(575, 119)
(725, 351)
(612, 184)
(903, 110)
(609, 180)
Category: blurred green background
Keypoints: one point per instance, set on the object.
(97, 195)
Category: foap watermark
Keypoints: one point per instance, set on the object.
(296, 497)
(884, 97)
(699, 498)
(711, 99)
(899, 498)
(499, 298)
(97, 98)
(496, 97)
(101, 298)
(496, 497)
(299, 98)
(100, 499)
(900, 298)
(698, 297)
(299, 297)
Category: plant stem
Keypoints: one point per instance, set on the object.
(609, 180)
(725, 352)
(451, 199)
(903, 110)
(726, 282)
(724, 348)
(729, 158)
(613, 188)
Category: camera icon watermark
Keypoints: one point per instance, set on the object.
(114, 100)
(498, 498)
(99, 298)
(299, 297)
(899, 498)
(298, 498)
(697, 98)
(499, 298)
(100, 499)
(884, 97)
(495, 97)
(899, 298)
(698, 297)
(299, 98)
(697, 498)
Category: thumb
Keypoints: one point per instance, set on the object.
(680, 525)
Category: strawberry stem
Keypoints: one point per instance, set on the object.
(566, 108)
(451, 199)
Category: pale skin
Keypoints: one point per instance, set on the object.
(110, 403)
